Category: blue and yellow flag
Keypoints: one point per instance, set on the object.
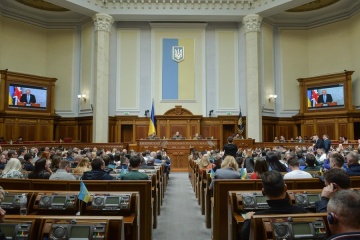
(178, 69)
(152, 128)
(84, 193)
(212, 173)
(240, 123)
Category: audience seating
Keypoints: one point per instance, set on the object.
(41, 225)
(222, 187)
(143, 187)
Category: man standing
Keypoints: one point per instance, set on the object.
(344, 215)
(325, 98)
(230, 148)
(318, 142)
(327, 143)
(27, 97)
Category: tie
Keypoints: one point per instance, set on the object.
(28, 98)
(324, 97)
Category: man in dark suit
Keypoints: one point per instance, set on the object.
(230, 148)
(134, 173)
(325, 98)
(327, 143)
(27, 97)
(319, 143)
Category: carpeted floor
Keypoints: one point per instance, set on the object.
(180, 217)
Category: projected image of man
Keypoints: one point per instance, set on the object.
(324, 97)
(28, 97)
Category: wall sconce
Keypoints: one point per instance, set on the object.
(272, 97)
(210, 113)
(146, 113)
(82, 96)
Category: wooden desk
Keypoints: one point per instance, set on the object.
(178, 150)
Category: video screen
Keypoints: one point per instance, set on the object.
(112, 200)
(313, 198)
(301, 229)
(23, 96)
(327, 96)
(8, 229)
(261, 199)
(59, 200)
(8, 199)
(80, 232)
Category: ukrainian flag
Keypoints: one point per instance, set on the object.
(11, 94)
(152, 128)
(178, 69)
(309, 94)
(84, 193)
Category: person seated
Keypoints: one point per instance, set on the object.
(300, 139)
(3, 161)
(276, 139)
(204, 163)
(97, 171)
(346, 141)
(353, 164)
(335, 179)
(274, 163)
(83, 166)
(282, 139)
(229, 170)
(260, 168)
(197, 136)
(41, 171)
(124, 163)
(12, 169)
(301, 159)
(150, 164)
(279, 202)
(27, 97)
(28, 165)
(310, 161)
(177, 136)
(344, 215)
(62, 173)
(134, 173)
(152, 136)
(2, 139)
(294, 167)
(324, 97)
(237, 136)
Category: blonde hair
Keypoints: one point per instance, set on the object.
(230, 162)
(12, 164)
(83, 166)
(204, 161)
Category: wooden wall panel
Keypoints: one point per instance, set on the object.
(126, 133)
(343, 131)
(142, 131)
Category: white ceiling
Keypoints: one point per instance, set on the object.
(272, 11)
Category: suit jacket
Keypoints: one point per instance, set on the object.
(24, 98)
(328, 98)
(319, 144)
(327, 145)
(230, 149)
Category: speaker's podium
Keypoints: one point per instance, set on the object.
(24, 104)
(329, 104)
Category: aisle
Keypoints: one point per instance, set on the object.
(180, 214)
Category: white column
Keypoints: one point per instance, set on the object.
(102, 23)
(252, 24)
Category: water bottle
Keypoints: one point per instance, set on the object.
(23, 204)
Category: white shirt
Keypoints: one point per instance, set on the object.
(322, 157)
(297, 174)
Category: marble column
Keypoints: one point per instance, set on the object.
(102, 23)
(252, 24)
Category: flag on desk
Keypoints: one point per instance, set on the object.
(152, 128)
(84, 193)
(212, 173)
(240, 123)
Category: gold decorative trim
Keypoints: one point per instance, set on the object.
(41, 4)
(314, 5)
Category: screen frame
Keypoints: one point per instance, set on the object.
(89, 227)
(13, 78)
(324, 81)
(44, 88)
(327, 87)
(58, 197)
(299, 236)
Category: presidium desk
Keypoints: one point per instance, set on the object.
(177, 150)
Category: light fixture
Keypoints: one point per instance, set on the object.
(82, 96)
(146, 113)
(210, 112)
(272, 97)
